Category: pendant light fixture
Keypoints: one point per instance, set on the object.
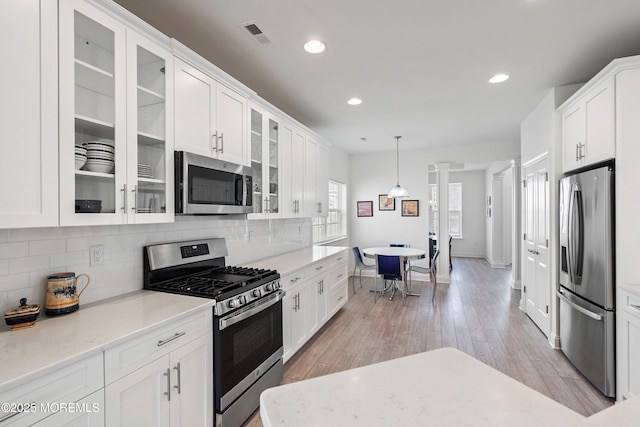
(398, 192)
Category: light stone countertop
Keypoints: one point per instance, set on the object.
(444, 387)
(634, 289)
(58, 341)
(290, 262)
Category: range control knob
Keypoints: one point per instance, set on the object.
(232, 303)
(270, 286)
(242, 299)
(256, 293)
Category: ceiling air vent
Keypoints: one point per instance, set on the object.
(256, 33)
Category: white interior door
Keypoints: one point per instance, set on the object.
(536, 253)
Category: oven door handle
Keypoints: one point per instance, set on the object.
(251, 310)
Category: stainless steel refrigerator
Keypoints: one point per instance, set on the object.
(586, 289)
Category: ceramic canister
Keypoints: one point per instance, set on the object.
(62, 295)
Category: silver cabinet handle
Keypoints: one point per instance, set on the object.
(582, 154)
(340, 259)
(637, 307)
(319, 267)
(134, 208)
(124, 198)
(577, 151)
(266, 204)
(295, 279)
(340, 299)
(214, 145)
(340, 275)
(19, 409)
(221, 150)
(319, 207)
(168, 392)
(168, 340)
(178, 386)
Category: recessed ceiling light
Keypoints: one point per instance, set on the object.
(363, 139)
(499, 78)
(354, 101)
(314, 46)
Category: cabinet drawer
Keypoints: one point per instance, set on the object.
(291, 280)
(338, 296)
(336, 275)
(90, 413)
(327, 264)
(64, 385)
(131, 355)
(631, 303)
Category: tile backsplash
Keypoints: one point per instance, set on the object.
(28, 256)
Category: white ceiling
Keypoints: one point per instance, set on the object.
(420, 66)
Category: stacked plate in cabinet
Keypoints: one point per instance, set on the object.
(81, 156)
(145, 171)
(100, 156)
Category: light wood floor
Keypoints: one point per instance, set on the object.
(477, 313)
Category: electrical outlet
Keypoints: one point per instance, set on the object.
(96, 254)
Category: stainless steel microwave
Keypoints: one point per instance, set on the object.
(210, 186)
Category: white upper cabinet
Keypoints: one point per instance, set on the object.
(210, 118)
(265, 163)
(292, 171)
(588, 126)
(116, 141)
(28, 114)
(322, 180)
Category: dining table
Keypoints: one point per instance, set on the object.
(405, 253)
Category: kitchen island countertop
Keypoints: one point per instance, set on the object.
(439, 387)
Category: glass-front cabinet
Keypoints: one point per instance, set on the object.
(115, 145)
(265, 163)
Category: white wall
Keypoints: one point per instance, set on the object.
(540, 133)
(28, 256)
(372, 174)
(472, 243)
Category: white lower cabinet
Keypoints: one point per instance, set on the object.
(41, 398)
(314, 294)
(629, 371)
(87, 412)
(174, 390)
(294, 320)
(165, 377)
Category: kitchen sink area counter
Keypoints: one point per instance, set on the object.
(55, 342)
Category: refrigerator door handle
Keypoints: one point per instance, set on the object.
(575, 235)
(582, 310)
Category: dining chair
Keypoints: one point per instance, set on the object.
(359, 264)
(431, 271)
(407, 263)
(390, 268)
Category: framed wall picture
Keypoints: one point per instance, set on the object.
(365, 208)
(386, 203)
(410, 208)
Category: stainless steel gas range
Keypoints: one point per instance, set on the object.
(247, 319)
